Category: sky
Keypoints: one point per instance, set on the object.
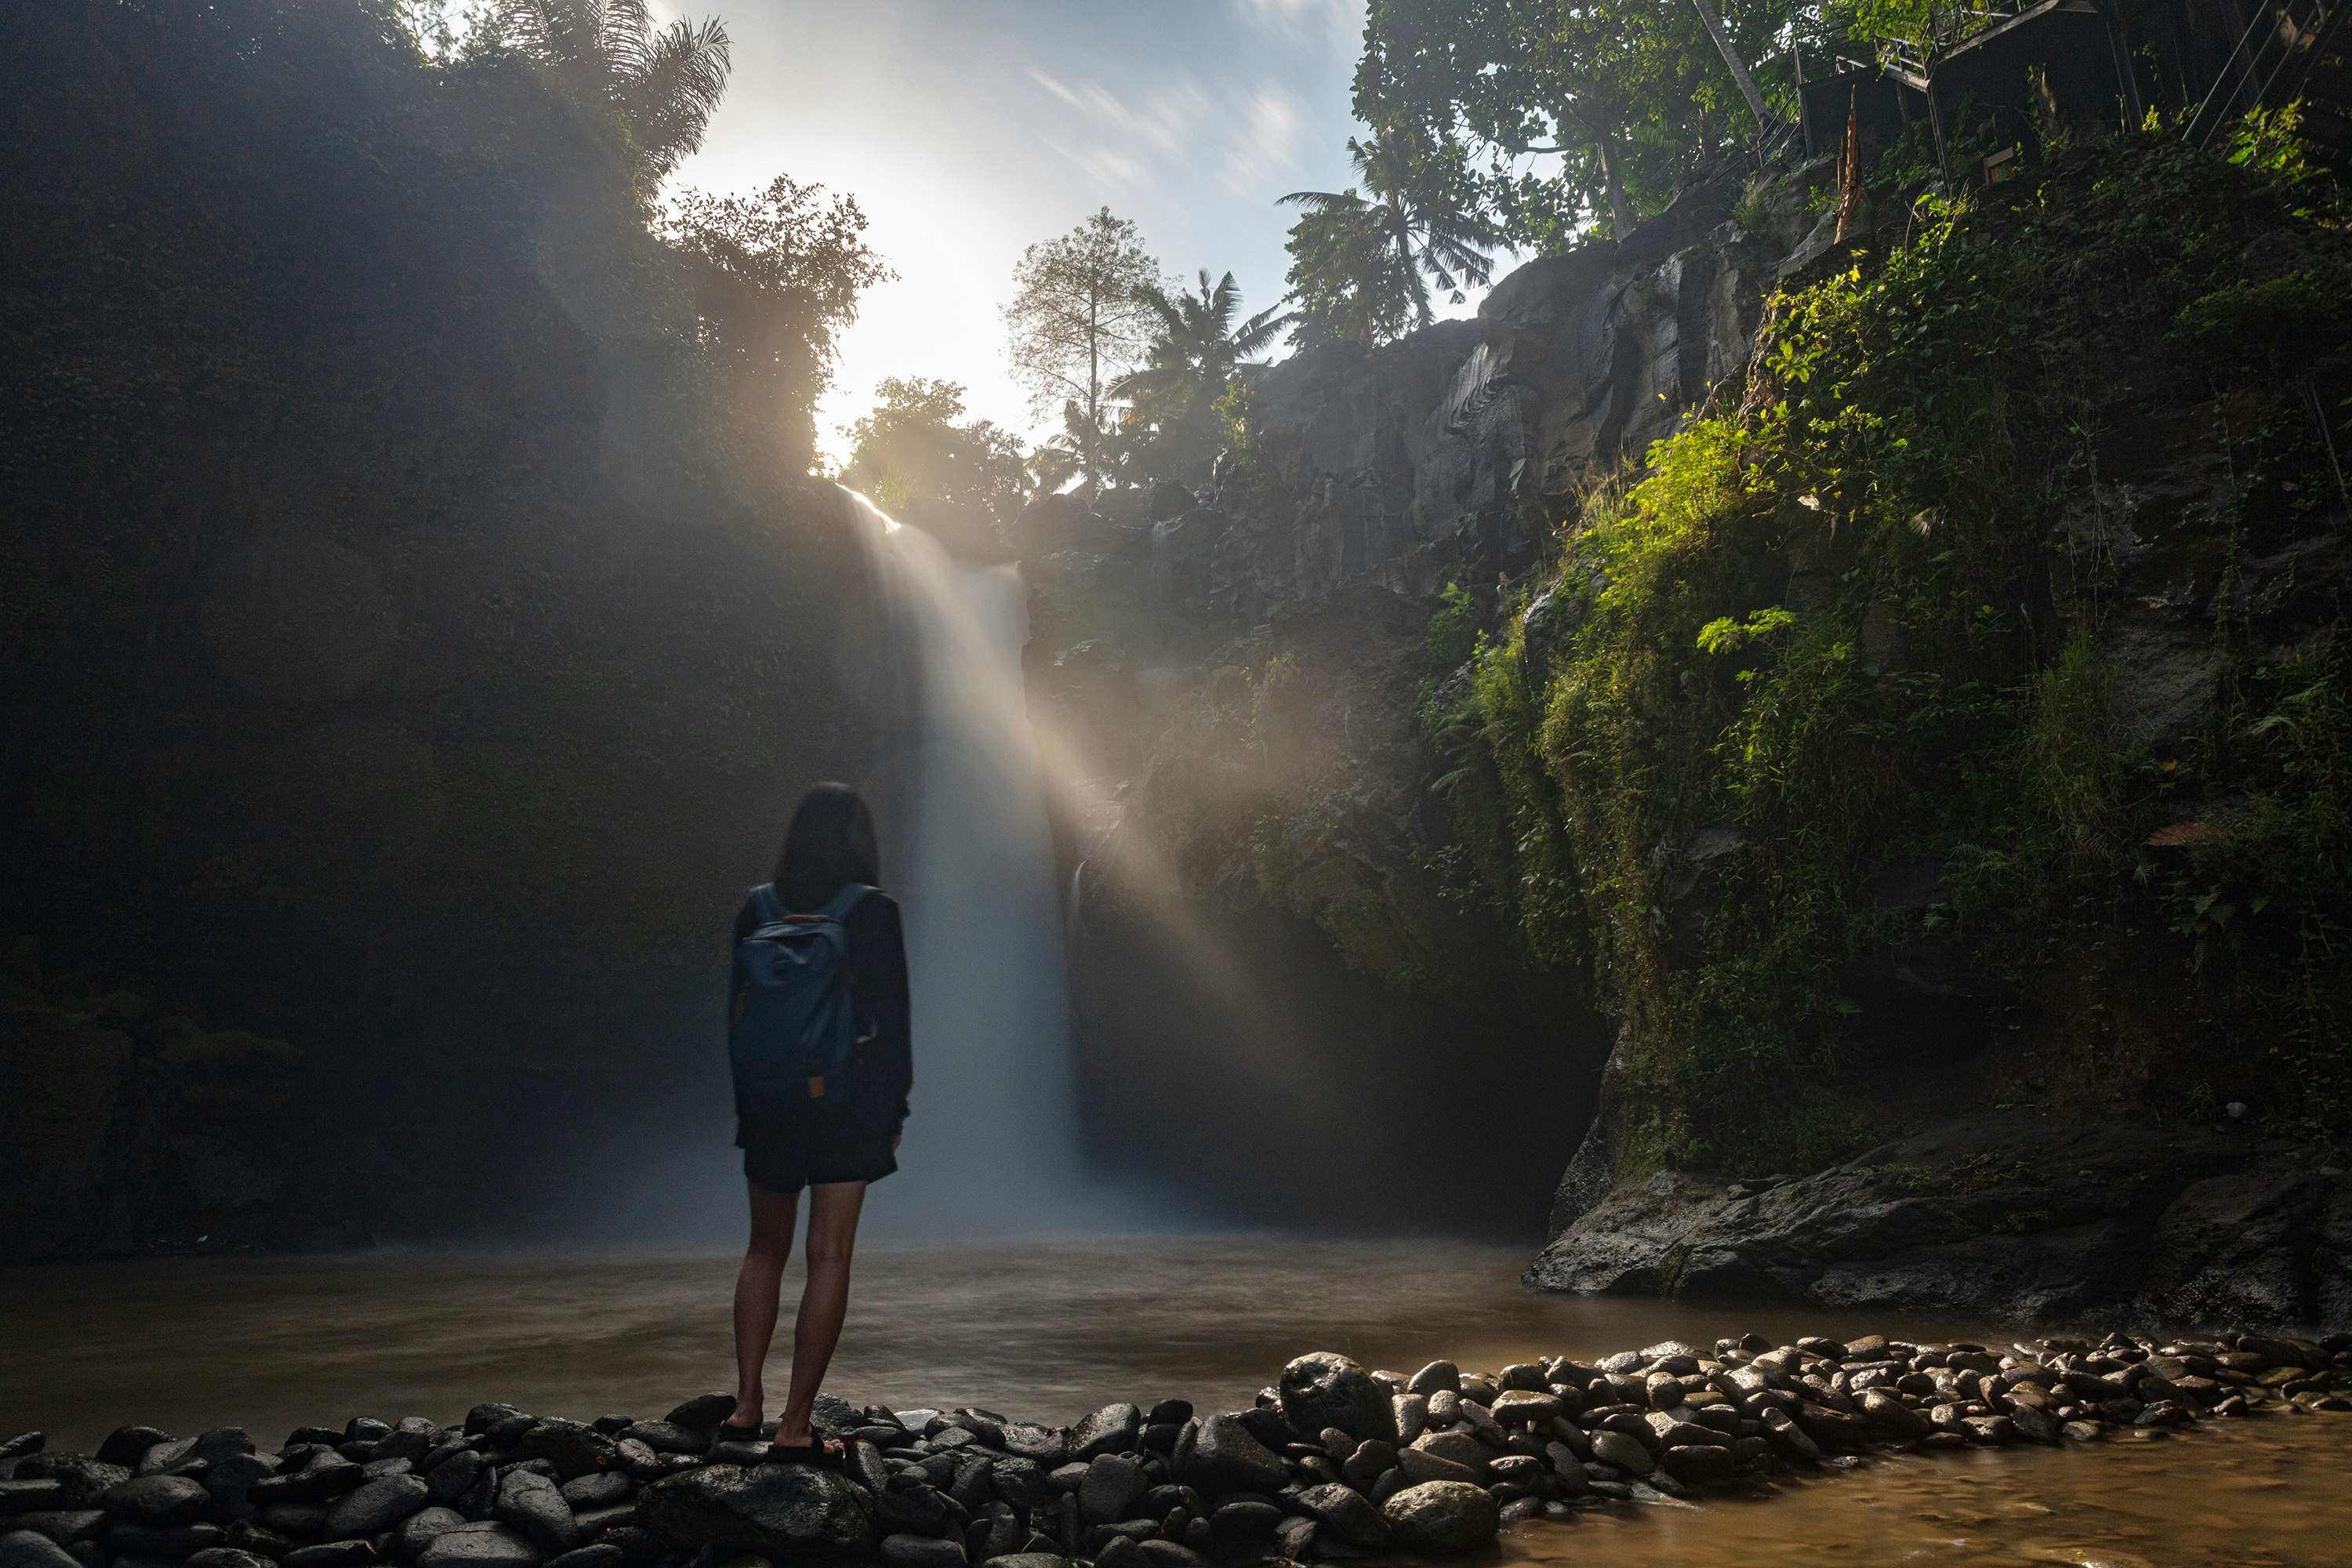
(969, 129)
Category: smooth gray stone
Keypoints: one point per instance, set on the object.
(29, 1549)
(921, 1551)
(1113, 1429)
(479, 1546)
(786, 1509)
(156, 1502)
(64, 1526)
(422, 1529)
(530, 1504)
(1442, 1518)
(1326, 1389)
(1346, 1513)
(1218, 1454)
(1111, 1486)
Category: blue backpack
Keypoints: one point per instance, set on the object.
(793, 1033)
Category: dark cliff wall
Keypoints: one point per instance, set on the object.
(405, 652)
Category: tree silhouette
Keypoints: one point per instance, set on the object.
(1192, 360)
(659, 86)
(1078, 320)
(1422, 206)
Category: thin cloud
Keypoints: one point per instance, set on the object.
(1264, 143)
(1333, 25)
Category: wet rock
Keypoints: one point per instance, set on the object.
(82, 1481)
(1694, 1464)
(1039, 1445)
(668, 1437)
(421, 1528)
(1625, 1453)
(921, 1551)
(1346, 1513)
(599, 1490)
(224, 1557)
(330, 1554)
(529, 1503)
(600, 1554)
(1121, 1552)
(329, 1474)
(172, 1544)
(375, 1508)
(1235, 1527)
(775, 1507)
(1113, 1429)
(28, 1549)
(703, 1412)
(1030, 1560)
(126, 1445)
(64, 1526)
(454, 1477)
(484, 1546)
(1163, 1552)
(1110, 1488)
(156, 1500)
(1218, 1454)
(1890, 1417)
(1370, 1459)
(23, 1497)
(1328, 1390)
(1442, 1518)
(911, 1510)
(573, 1448)
(1436, 1376)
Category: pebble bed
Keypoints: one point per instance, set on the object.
(1334, 1462)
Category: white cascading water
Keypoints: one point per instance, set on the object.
(993, 1142)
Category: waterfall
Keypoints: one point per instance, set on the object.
(993, 1142)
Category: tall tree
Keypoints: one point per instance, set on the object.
(1080, 319)
(1417, 199)
(1193, 355)
(659, 86)
(776, 276)
(913, 455)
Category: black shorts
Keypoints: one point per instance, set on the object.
(786, 1151)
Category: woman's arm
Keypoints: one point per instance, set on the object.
(877, 957)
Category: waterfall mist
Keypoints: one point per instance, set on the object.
(992, 1143)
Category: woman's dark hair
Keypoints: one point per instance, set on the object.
(829, 844)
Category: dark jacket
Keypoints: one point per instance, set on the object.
(878, 978)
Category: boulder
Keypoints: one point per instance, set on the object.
(1328, 1390)
(422, 1529)
(1110, 1488)
(783, 1508)
(1625, 1453)
(82, 1480)
(573, 1448)
(1442, 1518)
(921, 1551)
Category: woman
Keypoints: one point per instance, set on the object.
(834, 1149)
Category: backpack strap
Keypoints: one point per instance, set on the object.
(852, 894)
(766, 905)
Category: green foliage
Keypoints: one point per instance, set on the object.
(1361, 265)
(1191, 364)
(912, 458)
(1805, 653)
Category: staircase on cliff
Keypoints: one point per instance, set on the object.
(2291, 50)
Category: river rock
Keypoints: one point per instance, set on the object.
(782, 1509)
(455, 1476)
(64, 1526)
(1217, 1455)
(1111, 1486)
(1697, 1463)
(597, 1554)
(921, 1551)
(1418, 1464)
(421, 1528)
(1237, 1526)
(1346, 1513)
(1437, 1375)
(1113, 1429)
(224, 1557)
(1442, 1518)
(375, 1508)
(529, 1503)
(83, 1480)
(1370, 1460)
(1625, 1453)
(668, 1437)
(1890, 1416)
(329, 1555)
(1039, 1445)
(599, 1490)
(1328, 1390)
(1030, 1560)
(157, 1501)
(28, 1549)
(23, 1497)
(702, 1412)
(573, 1448)
(485, 1546)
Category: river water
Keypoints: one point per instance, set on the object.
(1051, 1330)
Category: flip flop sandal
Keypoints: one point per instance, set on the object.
(729, 1432)
(825, 1453)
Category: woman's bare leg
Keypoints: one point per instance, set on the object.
(824, 1300)
(757, 1286)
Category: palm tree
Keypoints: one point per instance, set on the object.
(1192, 361)
(1418, 210)
(661, 86)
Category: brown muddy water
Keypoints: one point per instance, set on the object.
(1051, 1330)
